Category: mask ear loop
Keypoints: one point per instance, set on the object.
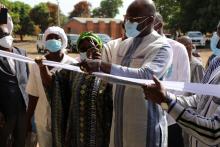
(146, 25)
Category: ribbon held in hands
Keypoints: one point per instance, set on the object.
(198, 88)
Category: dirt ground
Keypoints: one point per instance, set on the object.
(30, 46)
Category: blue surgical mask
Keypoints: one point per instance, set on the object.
(131, 28)
(53, 45)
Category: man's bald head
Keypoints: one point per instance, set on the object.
(142, 8)
(143, 13)
(185, 40)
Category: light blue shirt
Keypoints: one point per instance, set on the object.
(214, 41)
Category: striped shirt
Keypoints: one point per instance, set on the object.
(199, 115)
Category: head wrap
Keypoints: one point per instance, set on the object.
(58, 31)
(90, 36)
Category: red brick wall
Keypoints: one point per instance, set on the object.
(113, 29)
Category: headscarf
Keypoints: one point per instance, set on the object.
(58, 31)
(90, 36)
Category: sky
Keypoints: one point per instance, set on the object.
(66, 6)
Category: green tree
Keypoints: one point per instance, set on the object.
(20, 15)
(200, 15)
(63, 19)
(41, 16)
(81, 9)
(107, 9)
(170, 10)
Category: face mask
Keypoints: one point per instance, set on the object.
(131, 28)
(53, 45)
(6, 41)
(83, 56)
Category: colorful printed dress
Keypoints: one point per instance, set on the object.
(81, 108)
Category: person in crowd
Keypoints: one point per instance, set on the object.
(198, 115)
(215, 44)
(55, 41)
(136, 122)
(81, 103)
(196, 67)
(179, 71)
(14, 99)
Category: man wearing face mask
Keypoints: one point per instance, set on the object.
(55, 41)
(136, 122)
(13, 99)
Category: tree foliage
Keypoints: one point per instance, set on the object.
(170, 10)
(81, 9)
(20, 15)
(200, 15)
(188, 15)
(41, 16)
(108, 8)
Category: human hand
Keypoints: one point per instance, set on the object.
(155, 92)
(90, 65)
(39, 61)
(2, 120)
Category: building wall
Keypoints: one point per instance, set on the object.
(113, 29)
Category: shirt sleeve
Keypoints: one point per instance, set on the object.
(205, 129)
(31, 87)
(106, 53)
(213, 45)
(160, 63)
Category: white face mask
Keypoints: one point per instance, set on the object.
(6, 41)
(83, 56)
(131, 28)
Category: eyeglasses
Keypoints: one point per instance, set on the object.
(131, 18)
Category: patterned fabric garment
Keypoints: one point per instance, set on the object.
(81, 107)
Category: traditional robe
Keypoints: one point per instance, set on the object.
(137, 122)
(199, 115)
(81, 108)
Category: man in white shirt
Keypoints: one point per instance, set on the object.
(179, 71)
(55, 41)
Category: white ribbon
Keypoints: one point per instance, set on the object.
(198, 88)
